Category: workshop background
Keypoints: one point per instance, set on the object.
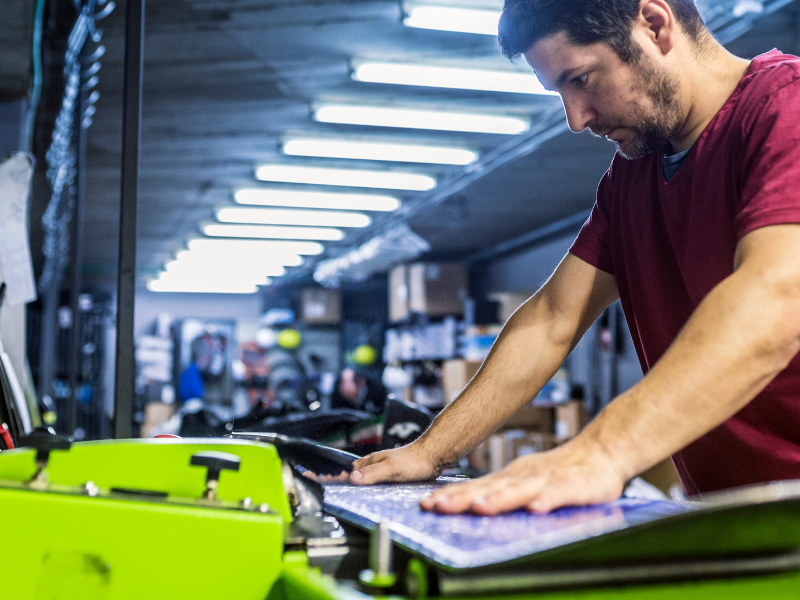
(330, 216)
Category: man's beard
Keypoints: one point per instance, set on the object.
(651, 129)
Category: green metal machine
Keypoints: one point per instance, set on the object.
(233, 518)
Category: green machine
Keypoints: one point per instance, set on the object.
(234, 518)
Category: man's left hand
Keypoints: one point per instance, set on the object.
(541, 482)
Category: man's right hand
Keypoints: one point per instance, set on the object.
(409, 463)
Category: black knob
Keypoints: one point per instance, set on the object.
(215, 462)
(44, 440)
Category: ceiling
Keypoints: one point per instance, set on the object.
(225, 79)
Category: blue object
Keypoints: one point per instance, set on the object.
(278, 316)
(467, 541)
(190, 384)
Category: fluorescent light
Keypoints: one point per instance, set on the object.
(194, 263)
(254, 248)
(263, 260)
(188, 277)
(329, 200)
(288, 216)
(395, 180)
(207, 287)
(451, 18)
(448, 77)
(411, 118)
(272, 232)
(365, 150)
(196, 277)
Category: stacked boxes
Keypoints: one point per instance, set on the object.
(432, 289)
(398, 294)
(534, 428)
(321, 306)
(456, 374)
(571, 417)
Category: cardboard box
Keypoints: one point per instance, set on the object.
(398, 293)
(321, 306)
(498, 452)
(571, 418)
(532, 442)
(663, 476)
(508, 302)
(437, 289)
(155, 414)
(456, 374)
(503, 447)
(479, 457)
(539, 419)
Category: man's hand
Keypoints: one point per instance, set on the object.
(409, 463)
(566, 476)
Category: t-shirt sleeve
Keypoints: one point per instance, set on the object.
(771, 163)
(592, 244)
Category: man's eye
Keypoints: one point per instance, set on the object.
(581, 80)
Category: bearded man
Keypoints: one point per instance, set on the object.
(695, 229)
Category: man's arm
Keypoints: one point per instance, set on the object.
(529, 350)
(739, 338)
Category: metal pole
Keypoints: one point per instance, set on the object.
(126, 278)
(76, 260)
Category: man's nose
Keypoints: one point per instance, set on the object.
(579, 114)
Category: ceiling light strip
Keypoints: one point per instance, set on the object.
(254, 249)
(371, 150)
(328, 234)
(323, 200)
(413, 118)
(396, 180)
(288, 216)
(451, 18)
(427, 75)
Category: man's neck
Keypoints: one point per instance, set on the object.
(708, 84)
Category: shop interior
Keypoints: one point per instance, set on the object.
(300, 218)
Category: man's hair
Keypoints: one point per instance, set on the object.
(525, 22)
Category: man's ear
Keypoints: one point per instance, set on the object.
(656, 22)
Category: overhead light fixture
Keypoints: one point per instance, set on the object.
(193, 263)
(394, 180)
(370, 150)
(288, 216)
(451, 18)
(324, 200)
(191, 277)
(201, 287)
(204, 281)
(272, 232)
(254, 249)
(428, 75)
(263, 260)
(412, 118)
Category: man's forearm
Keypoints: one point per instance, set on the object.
(529, 350)
(739, 338)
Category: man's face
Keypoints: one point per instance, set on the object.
(348, 386)
(633, 104)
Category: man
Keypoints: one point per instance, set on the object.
(357, 391)
(695, 229)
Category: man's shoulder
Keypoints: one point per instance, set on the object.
(770, 72)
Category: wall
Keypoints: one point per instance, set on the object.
(207, 306)
(527, 270)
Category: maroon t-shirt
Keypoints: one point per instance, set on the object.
(669, 244)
